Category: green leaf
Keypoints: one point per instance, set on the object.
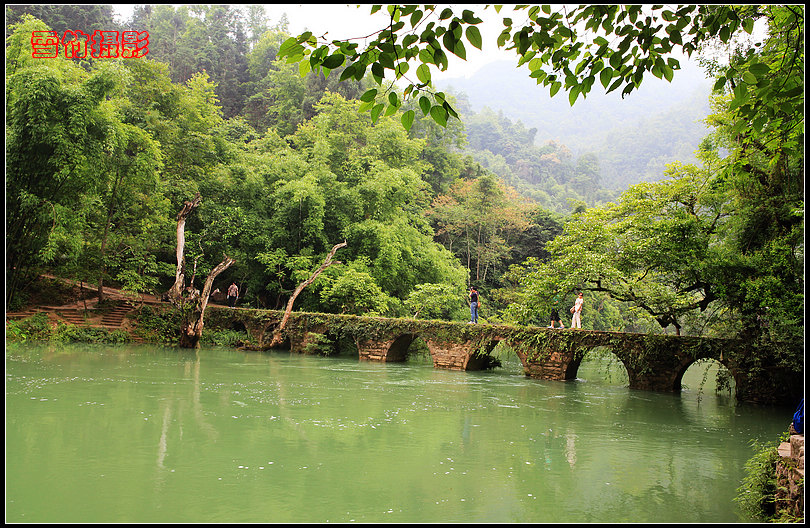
(675, 38)
(748, 25)
(378, 72)
(360, 71)
(348, 72)
(391, 110)
(469, 17)
(474, 36)
(369, 95)
(503, 37)
(304, 68)
(290, 47)
(573, 93)
(605, 76)
(454, 45)
(407, 119)
(402, 69)
(386, 60)
(759, 69)
(424, 104)
(616, 60)
(439, 115)
(333, 61)
(423, 74)
(376, 111)
(426, 56)
(749, 78)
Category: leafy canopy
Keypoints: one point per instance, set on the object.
(565, 47)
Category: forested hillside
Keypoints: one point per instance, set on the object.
(102, 154)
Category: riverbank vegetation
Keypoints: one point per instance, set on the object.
(758, 495)
(101, 154)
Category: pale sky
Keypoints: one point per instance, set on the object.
(341, 21)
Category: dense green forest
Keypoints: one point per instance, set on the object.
(102, 154)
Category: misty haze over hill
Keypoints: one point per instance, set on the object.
(633, 138)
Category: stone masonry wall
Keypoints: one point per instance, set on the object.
(790, 476)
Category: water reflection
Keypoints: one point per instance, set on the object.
(147, 434)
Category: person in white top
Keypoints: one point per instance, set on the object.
(576, 321)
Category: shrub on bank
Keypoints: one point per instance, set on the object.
(39, 328)
(34, 328)
(224, 338)
(157, 325)
(68, 333)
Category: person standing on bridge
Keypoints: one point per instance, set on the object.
(555, 314)
(233, 294)
(576, 321)
(473, 305)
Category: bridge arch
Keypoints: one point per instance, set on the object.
(483, 358)
(708, 371)
(599, 363)
(394, 348)
(398, 349)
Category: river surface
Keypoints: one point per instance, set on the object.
(137, 433)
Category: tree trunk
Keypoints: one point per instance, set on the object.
(193, 324)
(277, 334)
(176, 291)
(191, 304)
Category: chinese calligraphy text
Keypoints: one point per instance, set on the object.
(99, 45)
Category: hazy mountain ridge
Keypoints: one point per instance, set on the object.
(633, 137)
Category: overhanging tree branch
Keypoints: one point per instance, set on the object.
(277, 335)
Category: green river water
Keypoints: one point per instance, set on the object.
(141, 433)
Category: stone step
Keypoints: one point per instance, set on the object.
(72, 316)
(22, 314)
(115, 317)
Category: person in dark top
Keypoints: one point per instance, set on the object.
(555, 315)
(474, 304)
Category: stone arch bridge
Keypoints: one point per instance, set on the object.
(653, 362)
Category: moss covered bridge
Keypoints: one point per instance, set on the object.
(653, 362)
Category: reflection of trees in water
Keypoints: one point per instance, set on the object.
(706, 374)
(507, 356)
(601, 364)
(418, 351)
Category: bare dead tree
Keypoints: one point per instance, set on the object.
(277, 334)
(176, 291)
(188, 300)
